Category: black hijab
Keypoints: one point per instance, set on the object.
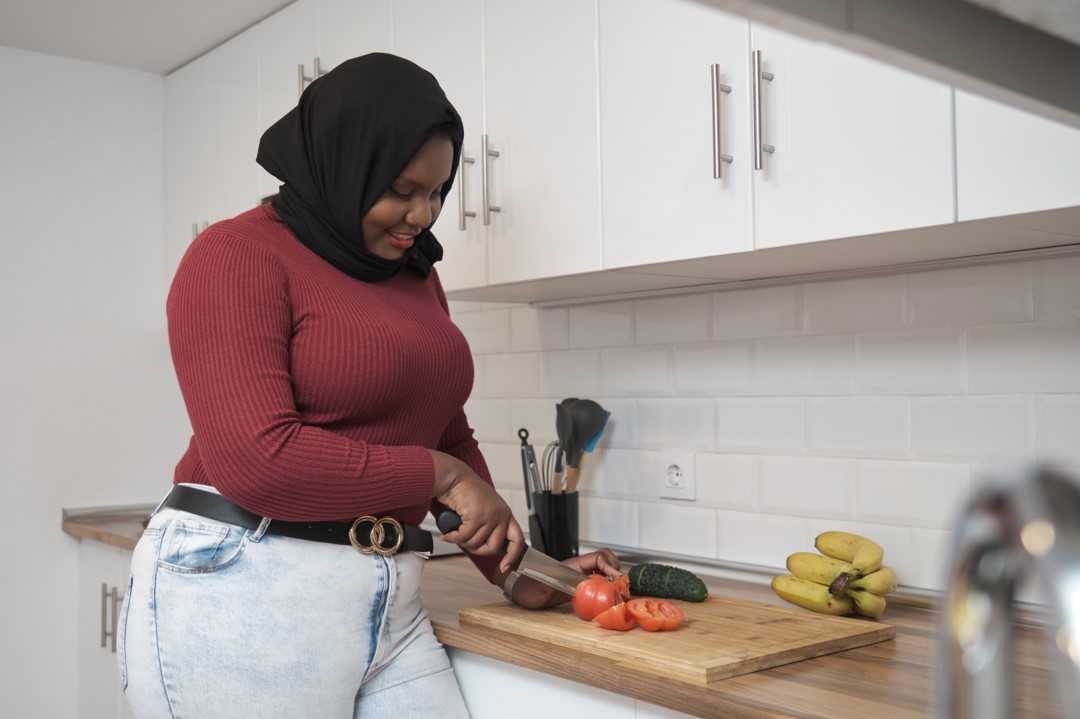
(352, 133)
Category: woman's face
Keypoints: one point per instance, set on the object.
(410, 204)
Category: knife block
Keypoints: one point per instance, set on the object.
(557, 515)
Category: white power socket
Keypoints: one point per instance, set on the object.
(677, 481)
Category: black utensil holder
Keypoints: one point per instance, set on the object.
(557, 516)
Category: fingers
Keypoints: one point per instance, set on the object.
(602, 560)
(515, 545)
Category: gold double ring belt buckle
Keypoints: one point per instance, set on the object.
(378, 535)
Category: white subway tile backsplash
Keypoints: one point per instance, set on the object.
(1025, 357)
(715, 368)
(808, 486)
(608, 521)
(971, 295)
(729, 481)
(762, 539)
(768, 425)
(489, 418)
(487, 331)
(604, 324)
(678, 423)
(534, 330)
(857, 426)
(930, 564)
(1059, 429)
(758, 312)
(504, 463)
(634, 474)
(573, 373)
(911, 362)
(635, 371)
(535, 415)
(866, 304)
(806, 365)
(916, 494)
(682, 318)
(677, 529)
(621, 429)
(510, 375)
(1057, 288)
(985, 429)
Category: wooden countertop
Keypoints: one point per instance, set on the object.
(893, 678)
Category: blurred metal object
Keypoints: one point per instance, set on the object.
(1009, 533)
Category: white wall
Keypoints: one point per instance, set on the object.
(873, 405)
(90, 413)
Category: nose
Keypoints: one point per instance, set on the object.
(422, 213)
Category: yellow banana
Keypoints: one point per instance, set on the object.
(866, 603)
(810, 595)
(881, 582)
(816, 567)
(865, 555)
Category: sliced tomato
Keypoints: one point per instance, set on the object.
(598, 593)
(655, 615)
(616, 617)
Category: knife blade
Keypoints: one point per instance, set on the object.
(533, 563)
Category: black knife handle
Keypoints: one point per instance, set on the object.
(449, 521)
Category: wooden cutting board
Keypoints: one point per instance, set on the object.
(719, 638)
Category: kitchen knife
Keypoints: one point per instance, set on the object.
(533, 563)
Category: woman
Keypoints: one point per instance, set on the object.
(325, 383)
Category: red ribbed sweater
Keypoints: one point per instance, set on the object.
(313, 395)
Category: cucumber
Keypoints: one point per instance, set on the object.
(659, 580)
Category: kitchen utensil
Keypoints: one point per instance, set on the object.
(563, 430)
(533, 563)
(532, 490)
(587, 422)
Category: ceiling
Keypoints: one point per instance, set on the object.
(152, 35)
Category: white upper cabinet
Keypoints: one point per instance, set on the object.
(287, 39)
(541, 119)
(860, 147)
(446, 38)
(187, 159)
(350, 28)
(1009, 161)
(674, 129)
(233, 102)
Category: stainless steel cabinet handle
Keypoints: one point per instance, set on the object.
(759, 145)
(317, 71)
(195, 229)
(462, 212)
(719, 158)
(111, 599)
(485, 184)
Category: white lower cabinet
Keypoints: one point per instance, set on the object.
(494, 690)
(103, 581)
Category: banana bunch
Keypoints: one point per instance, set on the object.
(848, 575)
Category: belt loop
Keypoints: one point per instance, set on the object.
(158, 507)
(261, 530)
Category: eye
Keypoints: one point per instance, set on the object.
(400, 194)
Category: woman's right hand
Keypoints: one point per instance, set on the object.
(486, 520)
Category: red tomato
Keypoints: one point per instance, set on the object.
(655, 614)
(616, 617)
(598, 593)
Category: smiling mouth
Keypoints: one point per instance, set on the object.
(401, 240)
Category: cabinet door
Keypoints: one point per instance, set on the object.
(350, 28)
(1009, 161)
(233, 103)
(187, 160)
(287, 39)
(541, 117)
(661, 199)
(446, 38)
(103, 573)
(861, 147)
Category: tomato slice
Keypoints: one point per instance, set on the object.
(655, 615)
(616, 617)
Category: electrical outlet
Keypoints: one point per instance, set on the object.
(677, 479)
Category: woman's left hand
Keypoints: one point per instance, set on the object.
(532, 594)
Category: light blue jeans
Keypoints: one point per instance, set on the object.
(222, 622)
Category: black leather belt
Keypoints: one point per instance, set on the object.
(382, 535)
